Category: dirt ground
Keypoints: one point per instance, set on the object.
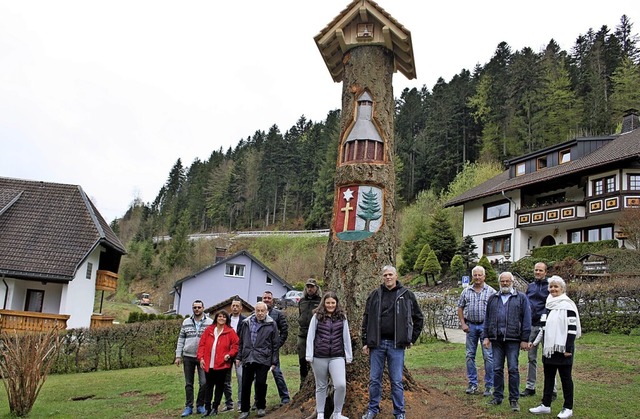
(419, 401)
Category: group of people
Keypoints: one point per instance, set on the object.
(212, 347)
(508, 321)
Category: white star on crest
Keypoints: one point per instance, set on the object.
(348, 195)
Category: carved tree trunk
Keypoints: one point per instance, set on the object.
(353, 268)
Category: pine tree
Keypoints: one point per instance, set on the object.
(457, 266)
(422, 257)
(370, 208)
(441, 237)
(431, 267)
(491, 277)
(467, 252)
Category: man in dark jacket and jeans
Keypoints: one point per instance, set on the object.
(506, 329)
(392, 322)
(258, 353)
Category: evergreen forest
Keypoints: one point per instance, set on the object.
(518, 102)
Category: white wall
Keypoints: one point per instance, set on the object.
(78, 295)
(478, 229)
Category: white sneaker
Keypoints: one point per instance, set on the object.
(338, 416)
(565, 413)
(540, 410)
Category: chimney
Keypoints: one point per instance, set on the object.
(630, 120)
(221, 253)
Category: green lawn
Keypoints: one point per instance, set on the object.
(606, 374)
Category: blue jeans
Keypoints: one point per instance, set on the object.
(473, 337)
(283, 391)
(506, 349)
(395, 362)
(190, 366)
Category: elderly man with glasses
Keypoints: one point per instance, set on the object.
(186, 350)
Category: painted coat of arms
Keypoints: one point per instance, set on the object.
(360, 210)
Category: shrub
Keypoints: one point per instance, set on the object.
(132, 345)
(524, 267)
(573, 250)
(25, 361)
(608, 306)
(622, 261)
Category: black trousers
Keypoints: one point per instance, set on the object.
(258, 372)
(566, 380)
(215, 383)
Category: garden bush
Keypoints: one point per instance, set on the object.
(573, 250)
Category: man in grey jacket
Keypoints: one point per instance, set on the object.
(258, 353)
(186, 350)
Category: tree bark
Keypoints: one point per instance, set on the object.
(353, 268)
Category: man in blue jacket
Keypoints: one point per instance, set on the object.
(507, 326)
(392, 322)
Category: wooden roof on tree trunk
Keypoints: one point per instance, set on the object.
(363, 22)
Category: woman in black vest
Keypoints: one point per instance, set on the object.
(328, 351)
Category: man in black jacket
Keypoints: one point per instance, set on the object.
(257, 353)
(392, 322)
(310, 300)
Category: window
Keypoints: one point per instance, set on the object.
(269, 280)
(520, 169)
(564, 156)
(34, 300)
(496, 210)
(604, 185)
(497, 245)
(234, 270)
(89, 269)
(634, 183)
(575, 236)
(591, 234)
(541, 163)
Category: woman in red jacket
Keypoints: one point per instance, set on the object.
(217, 349)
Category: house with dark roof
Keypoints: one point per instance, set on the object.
(56, 251)
(241, 274)
(567, 193)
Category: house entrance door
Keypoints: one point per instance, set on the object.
(548, 241)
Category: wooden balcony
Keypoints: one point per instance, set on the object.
(551, 214)
(106, 281)
(31, 321)
(99, 320)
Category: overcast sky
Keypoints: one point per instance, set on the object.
(109, 94)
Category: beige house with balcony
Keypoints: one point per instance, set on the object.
(567, 193)
(56, 252)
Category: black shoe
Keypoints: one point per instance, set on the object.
(528, 392)
(227, 408)
(514, 405)
(494, 402)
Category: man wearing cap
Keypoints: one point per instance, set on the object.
(309, 301)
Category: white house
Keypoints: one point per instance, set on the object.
(56, 250)
(567, 193)
(241, 274)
